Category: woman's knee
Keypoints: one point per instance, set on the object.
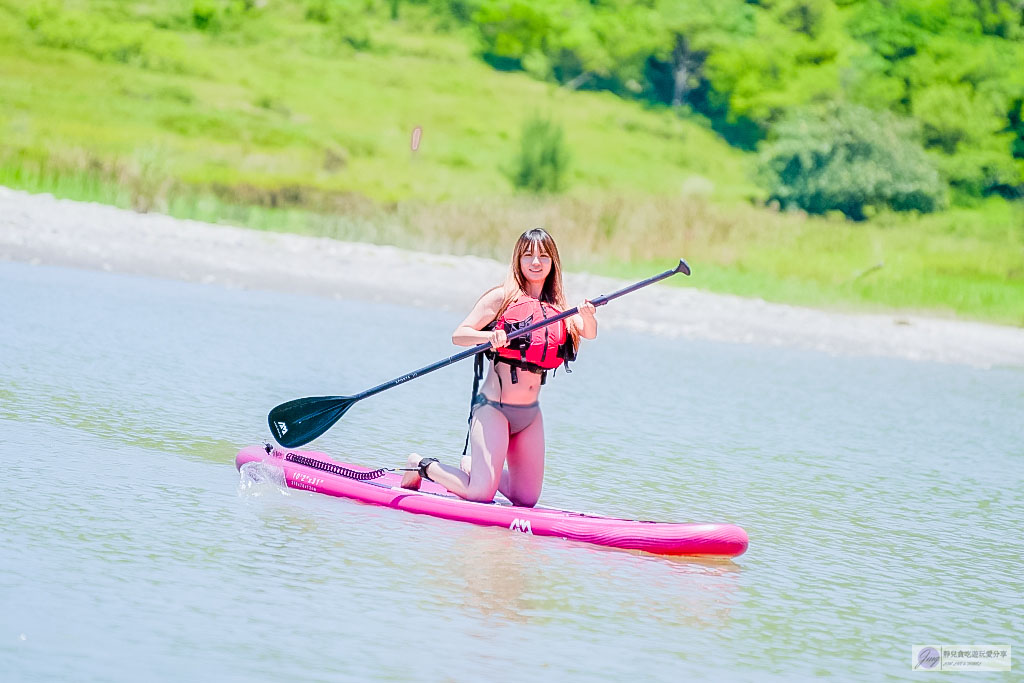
(524, 501)
(480, 494)
(525, 493)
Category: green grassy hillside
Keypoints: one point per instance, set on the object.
(273, 116)
(296, 106)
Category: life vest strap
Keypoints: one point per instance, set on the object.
(478, 374)
(522, 364)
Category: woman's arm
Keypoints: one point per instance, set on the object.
(586, 321)
(470, 331)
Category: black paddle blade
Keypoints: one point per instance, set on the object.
(683, 267)
(298, 422)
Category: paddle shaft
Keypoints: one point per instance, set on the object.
(480, 348)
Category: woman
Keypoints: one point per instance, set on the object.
(506, 427)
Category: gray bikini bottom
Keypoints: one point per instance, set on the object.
(519, 416)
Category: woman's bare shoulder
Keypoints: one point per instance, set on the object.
(492, 298)
(485, 309)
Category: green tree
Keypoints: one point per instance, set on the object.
(849, 159)
(607, 49)
(748, 63)
(513, 32)
(955, 65)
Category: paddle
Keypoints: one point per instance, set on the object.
(300, 421)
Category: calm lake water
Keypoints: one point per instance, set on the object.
(884, 500)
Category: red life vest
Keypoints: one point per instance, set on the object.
(541, 349)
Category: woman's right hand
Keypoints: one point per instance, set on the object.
(498, 339)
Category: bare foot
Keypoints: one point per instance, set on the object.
(412, 480)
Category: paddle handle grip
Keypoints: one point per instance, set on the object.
(480, 348)
(683, 268)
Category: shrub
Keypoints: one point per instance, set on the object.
(849, 158)
(543, 159)
(205, 15)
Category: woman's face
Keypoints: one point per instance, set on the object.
(535, 264)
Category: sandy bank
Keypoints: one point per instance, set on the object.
(42, 230)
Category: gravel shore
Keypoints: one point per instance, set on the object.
(41, 230)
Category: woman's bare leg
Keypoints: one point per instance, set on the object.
(525, 460)
(466, 465)
(488, 439)
(527, 449)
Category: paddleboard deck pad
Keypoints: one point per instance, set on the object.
(313, 471)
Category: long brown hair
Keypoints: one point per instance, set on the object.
(552, 291)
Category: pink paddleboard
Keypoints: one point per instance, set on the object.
(311, 471)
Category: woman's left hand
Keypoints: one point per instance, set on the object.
(587, 309)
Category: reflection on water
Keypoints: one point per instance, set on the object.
(493, 574)
(880, 497)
